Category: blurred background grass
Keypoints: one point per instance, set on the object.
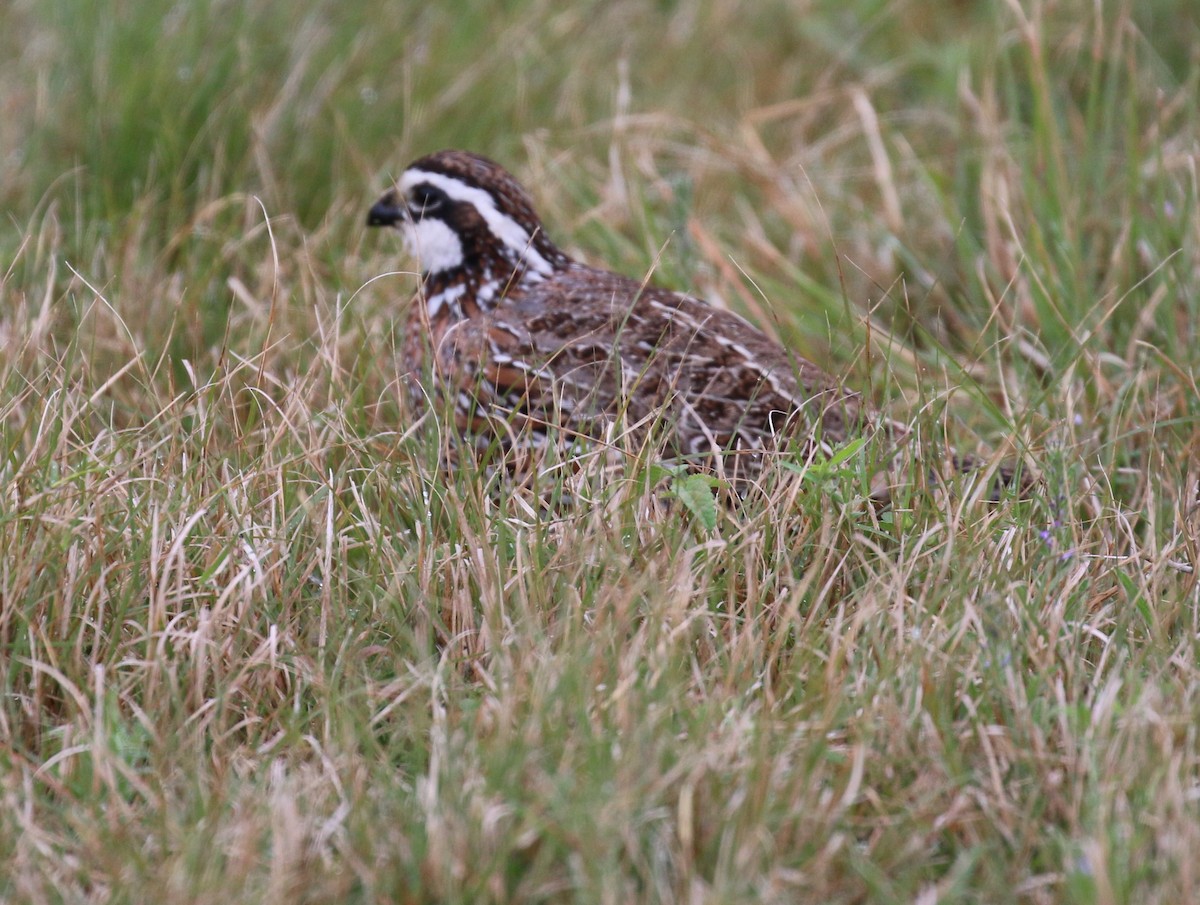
(250, 650)
(857, 144)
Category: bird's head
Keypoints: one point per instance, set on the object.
(462, 212)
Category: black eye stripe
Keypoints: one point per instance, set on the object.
(426, 198)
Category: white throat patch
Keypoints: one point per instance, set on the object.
(434, 244)
(503, 227)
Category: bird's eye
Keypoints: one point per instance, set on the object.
(425, 199)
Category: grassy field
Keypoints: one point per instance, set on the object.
(256, 647)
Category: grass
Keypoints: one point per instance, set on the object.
(257, 647)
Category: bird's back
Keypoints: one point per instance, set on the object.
(587, 346)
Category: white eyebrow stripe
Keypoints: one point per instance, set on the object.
(503, 227)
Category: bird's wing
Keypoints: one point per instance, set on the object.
(583, 349)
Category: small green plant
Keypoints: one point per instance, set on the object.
(697, 493)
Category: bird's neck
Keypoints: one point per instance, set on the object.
(483, 282)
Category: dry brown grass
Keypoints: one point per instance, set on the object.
(256, 646)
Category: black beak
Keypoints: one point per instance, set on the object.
(387, 211)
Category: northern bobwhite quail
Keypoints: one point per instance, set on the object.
(527, 341)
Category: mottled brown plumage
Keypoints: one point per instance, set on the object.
(525, 340)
